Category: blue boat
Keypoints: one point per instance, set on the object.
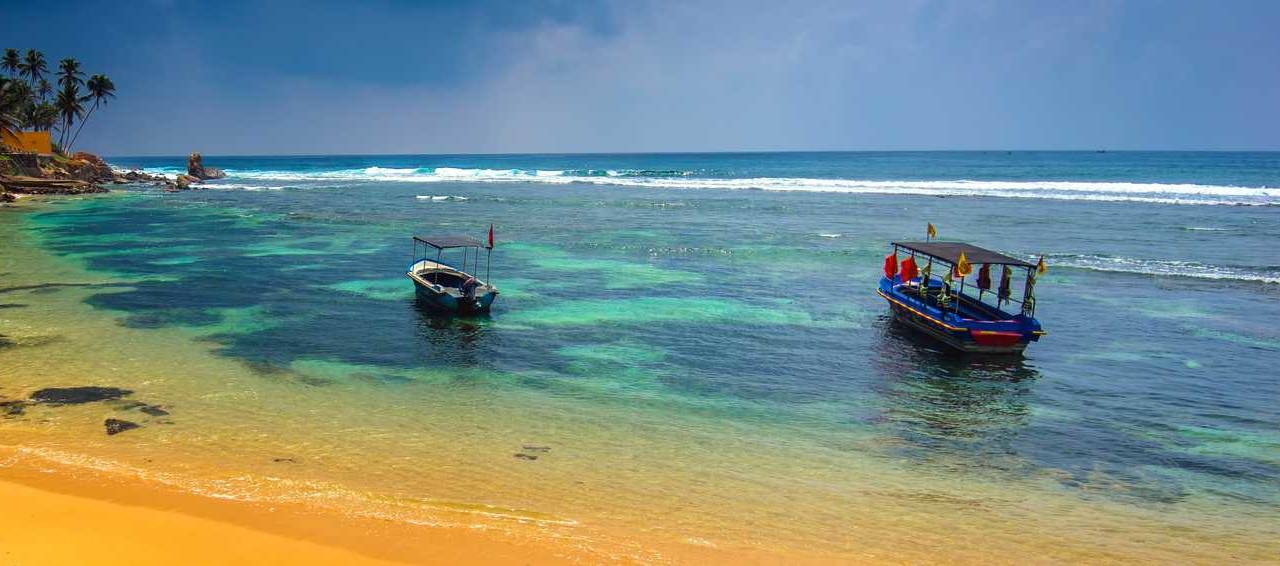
(992, 322)
(448, 289)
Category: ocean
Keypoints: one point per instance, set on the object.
(687, 351)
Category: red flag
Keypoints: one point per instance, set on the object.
(909, 270)
(491, 236)
(984, 277)
(891, 264)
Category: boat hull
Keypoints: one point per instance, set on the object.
(952, 339)
(449, 304)
(438, 288)
(1010, 336)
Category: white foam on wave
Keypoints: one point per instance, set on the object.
(240, 186)
(440, 198)
(1161, 193)
(1169, 268)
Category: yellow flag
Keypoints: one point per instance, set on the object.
(963, 267)
(931, 231)
(1041, 267)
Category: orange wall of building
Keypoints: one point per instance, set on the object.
(38, 142)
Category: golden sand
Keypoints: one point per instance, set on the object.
(63, 516)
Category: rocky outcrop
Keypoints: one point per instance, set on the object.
(183, 182)
(117, 426)
(82, 166)
(136, 176)
(38, 186)
(84, 173)
(196, 168)
(89, 167)
(81, 173)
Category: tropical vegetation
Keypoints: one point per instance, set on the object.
(28, 101)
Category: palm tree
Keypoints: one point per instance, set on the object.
(11, 101)
(17, 102)
(46, 115)
(33, 67)
(11, 62)
(40, 116)
(100, 89)
(44, 89)
(69, 108)
(69, 73)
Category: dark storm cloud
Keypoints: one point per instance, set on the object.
(408, 77)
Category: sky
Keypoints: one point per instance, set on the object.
(283, 77)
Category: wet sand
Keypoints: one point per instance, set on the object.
(57, 515)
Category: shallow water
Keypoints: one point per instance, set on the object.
(678, 366)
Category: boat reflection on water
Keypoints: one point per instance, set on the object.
(450, 340)
(965, 409)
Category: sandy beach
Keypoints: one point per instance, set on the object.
(61, 515)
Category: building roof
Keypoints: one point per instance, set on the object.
(950, 252)
(449, 241)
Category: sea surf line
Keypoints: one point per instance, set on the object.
(1156, 193)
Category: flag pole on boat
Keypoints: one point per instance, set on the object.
(929, 233)
(962, 268)
(488, 260)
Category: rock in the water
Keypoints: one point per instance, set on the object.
(117, 426)
(6, 197)
(153, 410)
(12, 408)
(196, 168)
(77, 395)
(523, 456)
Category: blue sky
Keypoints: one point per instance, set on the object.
(451, 77)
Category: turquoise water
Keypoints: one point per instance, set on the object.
(741, 288)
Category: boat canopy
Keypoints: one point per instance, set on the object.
(446, 242)
(950, 253)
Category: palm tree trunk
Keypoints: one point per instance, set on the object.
(82, 121)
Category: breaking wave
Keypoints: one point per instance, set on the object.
(1162, 193)
(1169, 268)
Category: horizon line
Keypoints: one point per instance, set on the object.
(712, 152)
